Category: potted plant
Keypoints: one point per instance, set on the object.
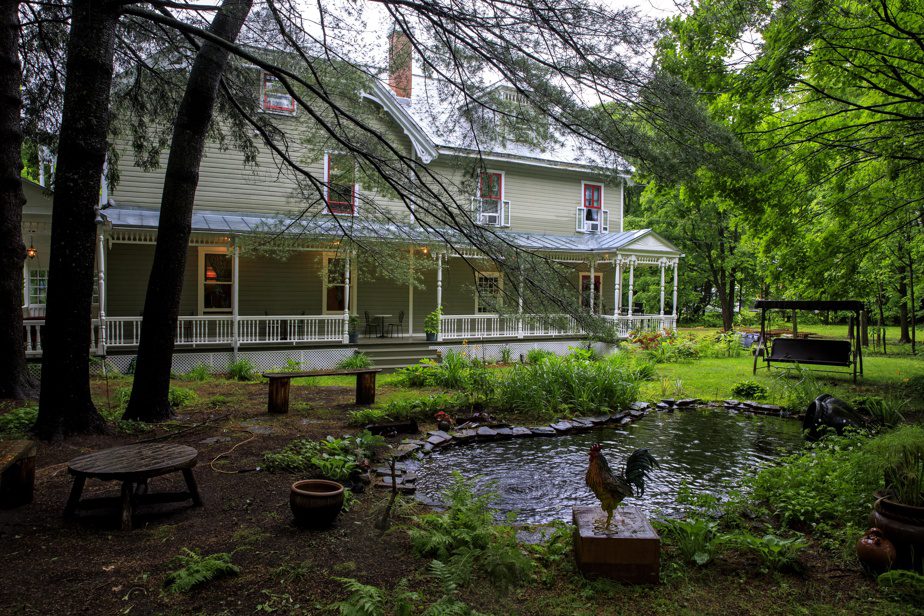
(432, 324)
(899, 509)
(353, 329)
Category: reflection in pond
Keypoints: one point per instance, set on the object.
(543, 478)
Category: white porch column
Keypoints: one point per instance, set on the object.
(676, 263)
(439, 291)
(235, 290)
(346, 301)
(592, 281)
(410, 292)
(661, 264)
(520, 306)
(617, 291)
(631, 283)
(101, 288)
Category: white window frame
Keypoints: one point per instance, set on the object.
(325, 267)
(327, 209)
(503, 197)
(500, 289)
(287, 112)
(27, 286)
(200, 281)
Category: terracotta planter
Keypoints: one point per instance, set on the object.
(876, 553)
(316, 502)
(903, 525)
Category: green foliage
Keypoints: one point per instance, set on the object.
(749, 390)
(17, 422)
(335, 458)
(560, 386)
(905, 585)
(292, 365)
(432, 321)
(506, 354)
(195, 570)
(418, 375)
(904, 477)
(181, 396)
(242, 370)
(535, 356)
(795, 388)
(420, 409)
(697, 538)
(885, 412)
(357, 361)
(775, 553)
(465, 538)
(364, 600)
(200, 372)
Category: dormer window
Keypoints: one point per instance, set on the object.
(340, 181)
(274, 97)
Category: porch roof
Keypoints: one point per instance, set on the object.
(230, 223)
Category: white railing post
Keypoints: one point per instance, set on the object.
(617, 290)
(235, 290)
(520, 306)
(592, 285)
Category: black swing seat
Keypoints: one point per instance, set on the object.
(810, 351)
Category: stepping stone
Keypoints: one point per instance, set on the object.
(770, 408)
(520, 431)
(411, 441)
(640, 406)
(668, 401)
(688, 402)
(543, 431)
(562, 426)
(463, 436)
(215, 439)
(427, 448)
(732, 403)
(636, 414)
(439, 433)
(581, 421)
(749, 404)
(485, 432)
(439, 439)
(405, 450)
(625, 420)
(504, 433)
(663, 406)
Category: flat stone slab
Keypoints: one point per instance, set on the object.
(640, 406)
(688, 402)
(663, 406)
(629, 551)
(520, 431)
(543, 431)
(486, 432)
(440, 434)
(636, 414)
(504, 433)
(464, 436)
(562, 426)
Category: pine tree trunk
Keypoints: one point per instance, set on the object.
(150, 392)
(65, 405)
(14, 378)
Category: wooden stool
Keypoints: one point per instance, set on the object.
(133, 465)
(17, 473)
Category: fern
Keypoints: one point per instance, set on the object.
(364, 600)
(196, 570)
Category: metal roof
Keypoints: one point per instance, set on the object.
(234, 223)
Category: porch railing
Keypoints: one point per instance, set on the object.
(466, 326)
(641, 323)
(323, 328)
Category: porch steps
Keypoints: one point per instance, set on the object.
(394, 356)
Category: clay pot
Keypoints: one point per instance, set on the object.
(876, 553)
(903, 525)
(316, 502)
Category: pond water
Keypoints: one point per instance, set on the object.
(541, 479)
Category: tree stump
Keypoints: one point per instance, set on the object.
(278, 395)
(17, 481)
(365, 388)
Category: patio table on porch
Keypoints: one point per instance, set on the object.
(381, 318)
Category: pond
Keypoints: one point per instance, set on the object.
(541, 479)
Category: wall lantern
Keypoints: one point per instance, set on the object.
(31, 252)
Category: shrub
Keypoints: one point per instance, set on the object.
(196, 570)
(749, 390)
(181, 396)
(17, 422)
(535, 356)
(696, 538)
(420, 409)
(505, 355)
(357, 361)
(465, 538)
(775, 553)
(418, 375)
(335, 458)
(200, 372)
(885, 412)
(794, 388)
(242, 370)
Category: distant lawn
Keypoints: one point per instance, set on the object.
(713, 379)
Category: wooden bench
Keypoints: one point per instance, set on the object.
(809, 352)
(133, 465)
(17, 473)
(278, 401)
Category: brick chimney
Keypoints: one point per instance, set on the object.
(399, 63)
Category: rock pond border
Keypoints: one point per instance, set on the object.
(405, 478)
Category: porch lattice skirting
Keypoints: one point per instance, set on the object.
(492, 351)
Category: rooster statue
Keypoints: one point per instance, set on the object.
(611, 488)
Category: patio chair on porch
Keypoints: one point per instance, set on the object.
(371, 326)
(399, 326)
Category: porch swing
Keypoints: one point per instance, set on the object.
(811, 351)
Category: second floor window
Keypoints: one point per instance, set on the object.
(593, 196)
(274, 97)
(341, 184)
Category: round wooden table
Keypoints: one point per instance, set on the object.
(133, 465)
